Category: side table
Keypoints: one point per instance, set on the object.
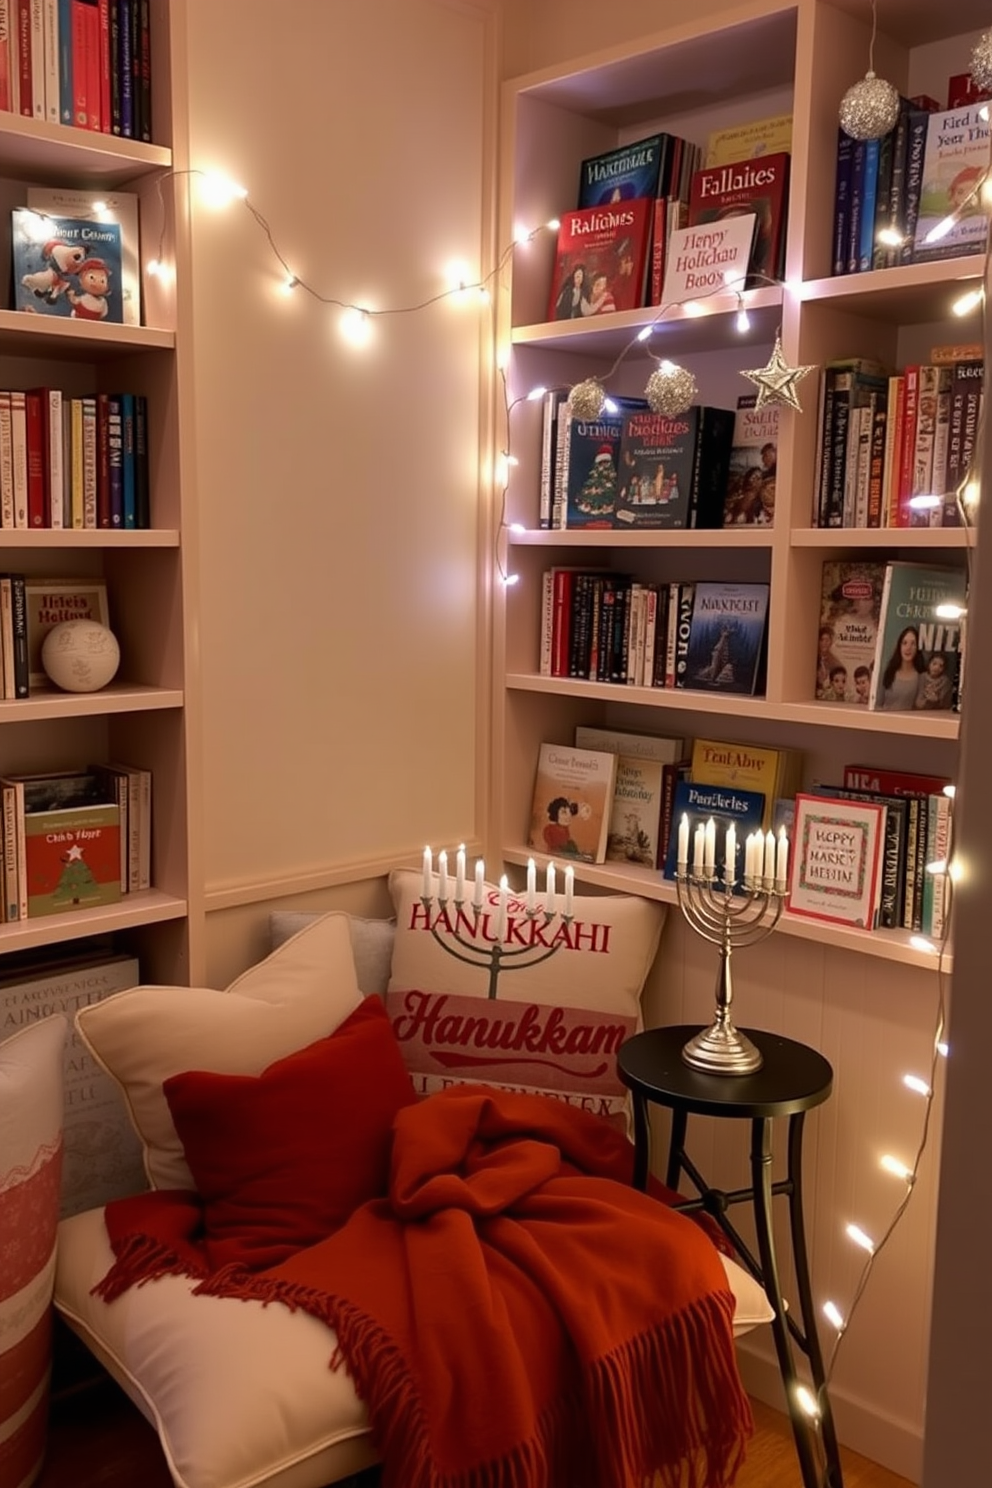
(792, 1080)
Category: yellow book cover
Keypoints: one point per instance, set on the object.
(745, 141)
(754, 767)
(573, 797)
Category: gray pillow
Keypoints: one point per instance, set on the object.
(371, 943)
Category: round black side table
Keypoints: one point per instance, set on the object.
(792, 1080)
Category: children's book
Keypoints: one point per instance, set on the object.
(101, 207)
(635, 818)
(725, 646)
(850, 608)
(585, 489)
(955, 160)
(837, 860)
(750, 491)
(769, 136)
(601, 260)
(573, 796)
(67, 266)
(917, 650)
(663, 747)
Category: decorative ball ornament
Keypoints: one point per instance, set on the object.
(981, 63)
(776, 380)
(587, 398)
(870, 108)
(80, 655)
(670, 390)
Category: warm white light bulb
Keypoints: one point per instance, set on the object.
(743, 323)
(949, 611)
(833, 1315)
(967, 302)
(289, 283)
(920, 943)
(355, 326)
(220, 191)
(914, 1083)
(553, 223)
(484, 295)
(100, 206)
(517, 527)
(644, 332)
(860, 1238)
(896, 1168)
(970, 494)
(924, 501)
(510, 579)
(535, 393)
(939, 865)
(890, 237)
(942, 1049)
(941, 230)
(950, 790)
(154, 267)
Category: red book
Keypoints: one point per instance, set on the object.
(37, 463)
(7, 60)
(963, 91)
(760, 186)
(893, 782)
(22, 10)
(103, 58)
(86, 64)
(911, 387)
(602, 260)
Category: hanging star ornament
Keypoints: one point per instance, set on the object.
(776, 381)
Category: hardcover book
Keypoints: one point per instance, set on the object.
(850, 608)
(759, 186)
(586, 466)
(893, 782)
(66, 266)
(627, 172)
(836, 860)
(573, 797)
(635, 817)
(750, 491)
(725, 647)
(771, 136)
(626, 741)
(955, 161)
(775, 773)
(101, 207)
(917, 651)
(673, 470)
(51, 601)
(601, 260)
(72, 858)
(724, 804)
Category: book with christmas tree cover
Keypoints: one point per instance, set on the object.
(776, 773)
(573, 797)
(672, 471)
(917, 651)
(635, 818)
(724, 804)
(750, 491)
(586, 465)
(601, 260)
(955, 160)
(850, 607)
(725, 647)
(72, 858)
(759, 186)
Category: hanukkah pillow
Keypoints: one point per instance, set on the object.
(546, 1010)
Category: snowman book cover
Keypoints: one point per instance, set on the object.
(66, 266)
(586, 465)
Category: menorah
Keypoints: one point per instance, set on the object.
(494, 955)
(730, 920)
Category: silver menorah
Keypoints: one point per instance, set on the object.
(729, 920)
(458, 933)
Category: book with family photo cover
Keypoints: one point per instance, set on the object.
(66, 266)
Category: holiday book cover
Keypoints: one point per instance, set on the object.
(837, 860)
(67, 266)
(586, 465)
(955, 161)
(917, 650)
(636, 814)
(601, 260)
(724, 804)
(628, 172)
(759, 186)
(750, 495)
(775, 773)
(101, 207)
(72, 858)
(656, 461)
(573, 795)
(850, 609)
(725, 645)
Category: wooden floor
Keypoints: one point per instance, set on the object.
(99, 1440)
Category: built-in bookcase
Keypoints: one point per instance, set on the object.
(755, 62)
(144, 716)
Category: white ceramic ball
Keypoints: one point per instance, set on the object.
(80, 655)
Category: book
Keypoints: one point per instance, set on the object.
(749, 498)
(66, 266)
(51, 601)
(71, 851)
(770, 136)
(759, 186)
(672, 471)
(892, 896)
(585, 488)
(102, 1156)
(635, 816)
(601, 260)
(955, 161)
(551, 404)
(774, 773)
(100, 207)
(573, 797)
(627, 172)
(724, 804)
(850, 609)
(836, 860)
(628, 742)
(917, 651)
(725, 645)
(893, 782)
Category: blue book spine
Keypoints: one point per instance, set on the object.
(65, 61)
(869, 190)
(853, 249)
(127, 461)
(842, 200)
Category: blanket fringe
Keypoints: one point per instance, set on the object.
(140, 1259)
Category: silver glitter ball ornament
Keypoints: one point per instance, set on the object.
(869, 109)
(670, 390)
(587, 398)
(981, 62)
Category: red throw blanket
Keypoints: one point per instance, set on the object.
(513, 1314)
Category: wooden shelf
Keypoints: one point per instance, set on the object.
(911, 295)
(117, 698)
(700, 326)
(723, 537)
(149, 907)
(883, 537)
(44, 153)
(72, 537)
(23, 334)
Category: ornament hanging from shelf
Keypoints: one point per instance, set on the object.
(587, 398)
(981, 63)
(776, 381)
(670, 390)
(870, 108)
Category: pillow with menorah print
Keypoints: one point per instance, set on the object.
(545, 1010)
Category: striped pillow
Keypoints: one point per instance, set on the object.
(30, 1175)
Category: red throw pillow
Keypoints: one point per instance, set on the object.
(283, 1158)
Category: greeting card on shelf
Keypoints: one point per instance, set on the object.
(704, 260)
(66, 266)
(837, 861)
(573, 796)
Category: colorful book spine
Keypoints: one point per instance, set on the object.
(842, 201)
(130, 518)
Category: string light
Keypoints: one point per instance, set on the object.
(914, 1083)
(897, 1168)
(968, 302)
(833, 1315)
(855, 1233)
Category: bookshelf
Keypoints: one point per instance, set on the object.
(752, 62)
(146, 715)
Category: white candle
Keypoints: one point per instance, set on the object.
(549, 890)
(442, 876)
(480, 878)
(753, 862)
(699, 848)
(460, 875)
(531, 885)
(683, 856)
(730, 854)
(504, 888)
(709, 844)
(769, 872)
(428, 888)
(782, 860)
(569, 887)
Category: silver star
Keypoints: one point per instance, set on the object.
(776, 382)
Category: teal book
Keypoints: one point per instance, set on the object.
(918, 648)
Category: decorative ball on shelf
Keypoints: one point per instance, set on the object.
(587, 398)
(670, 390)
(981, 62)
(80, 655)
(869, 109)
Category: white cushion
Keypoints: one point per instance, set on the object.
(371, 943)
(300, 993)
(240, 1393)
